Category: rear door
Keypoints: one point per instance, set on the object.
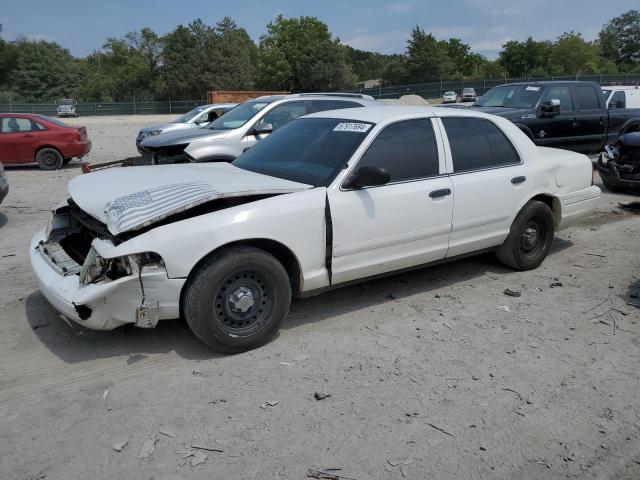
(489, 182)
(403, 223)
(17, 140)
(591, 118)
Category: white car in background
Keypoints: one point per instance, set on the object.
(621, 97)
(450, 97)
(198, 117)
(330, 198)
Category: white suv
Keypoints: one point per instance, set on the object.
(239, 129)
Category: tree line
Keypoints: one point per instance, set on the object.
(295, 54)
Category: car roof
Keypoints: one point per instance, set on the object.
(355, 97)
(25, 115)
(552, 82)
(219, 105)
(379, 114)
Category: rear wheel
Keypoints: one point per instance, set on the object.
(237, 299)
(530, 237)
(49, 159)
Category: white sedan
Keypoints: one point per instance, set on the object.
(330, 198)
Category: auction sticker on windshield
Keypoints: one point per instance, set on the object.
(352, 127)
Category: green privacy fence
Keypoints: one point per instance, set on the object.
(436, 89)
(107, 108)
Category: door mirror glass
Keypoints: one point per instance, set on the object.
(368, 176)
(550, 107)
(262, 128)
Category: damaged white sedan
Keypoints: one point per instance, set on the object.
(330, 198)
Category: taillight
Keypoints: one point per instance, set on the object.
(79, 135)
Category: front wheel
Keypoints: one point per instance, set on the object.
(530, 237)
(49, 159)
(236, 300)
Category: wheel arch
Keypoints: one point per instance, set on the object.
(42, 147)
(553, 203)
(631, 125)
(280, 251)
(526, 130)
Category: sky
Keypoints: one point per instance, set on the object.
(376, 25)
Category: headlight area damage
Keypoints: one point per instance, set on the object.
(98, 292)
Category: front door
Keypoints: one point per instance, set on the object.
(403, 223)
(559, 130)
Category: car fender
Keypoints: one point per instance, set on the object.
(213, 151)
(294, 220)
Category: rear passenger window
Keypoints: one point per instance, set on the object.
(587, 98)
(504, 153)
(324, 105)
(617, 100)
(478, 144)
(407, 150)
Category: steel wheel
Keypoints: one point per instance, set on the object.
(244, 301)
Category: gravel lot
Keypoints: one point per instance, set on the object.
(432, 374)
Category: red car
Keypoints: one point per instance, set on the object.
(32, 138)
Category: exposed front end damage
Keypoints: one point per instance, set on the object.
(96, 292)
(619, 164)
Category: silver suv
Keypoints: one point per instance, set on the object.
(224, 139)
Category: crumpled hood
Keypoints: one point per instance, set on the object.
(510, 113)
(182, 137)
(133, 197)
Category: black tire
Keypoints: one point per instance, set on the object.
(530, 237)
(49, 159)
(66, 161)
(236, 300)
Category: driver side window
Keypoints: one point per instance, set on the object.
(561, 93)
(406, 149)
(285, 113)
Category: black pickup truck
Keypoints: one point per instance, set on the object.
(570, 115)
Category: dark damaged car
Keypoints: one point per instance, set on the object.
(619, 164)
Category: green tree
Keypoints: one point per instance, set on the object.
(619, 40)
(368, 65)
(299, 54)
(427, 58)
(198, 58)
(43, 71)
(572, 55)
(523, 58)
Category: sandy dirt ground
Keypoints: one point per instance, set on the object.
(431, 374)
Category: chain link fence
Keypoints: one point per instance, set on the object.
(433, 90)
(107, 108)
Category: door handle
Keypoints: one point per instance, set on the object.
(517, 180)
(443, 192)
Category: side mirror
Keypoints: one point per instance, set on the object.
(367, 176)
(262, 128)
(550, 107)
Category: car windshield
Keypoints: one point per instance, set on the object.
(449, 93)
(60, 123)
(606, 93)
(308, 150)
(468, 90)
(238, 116)
(66, 101)
(511, 96)
(190, 114)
